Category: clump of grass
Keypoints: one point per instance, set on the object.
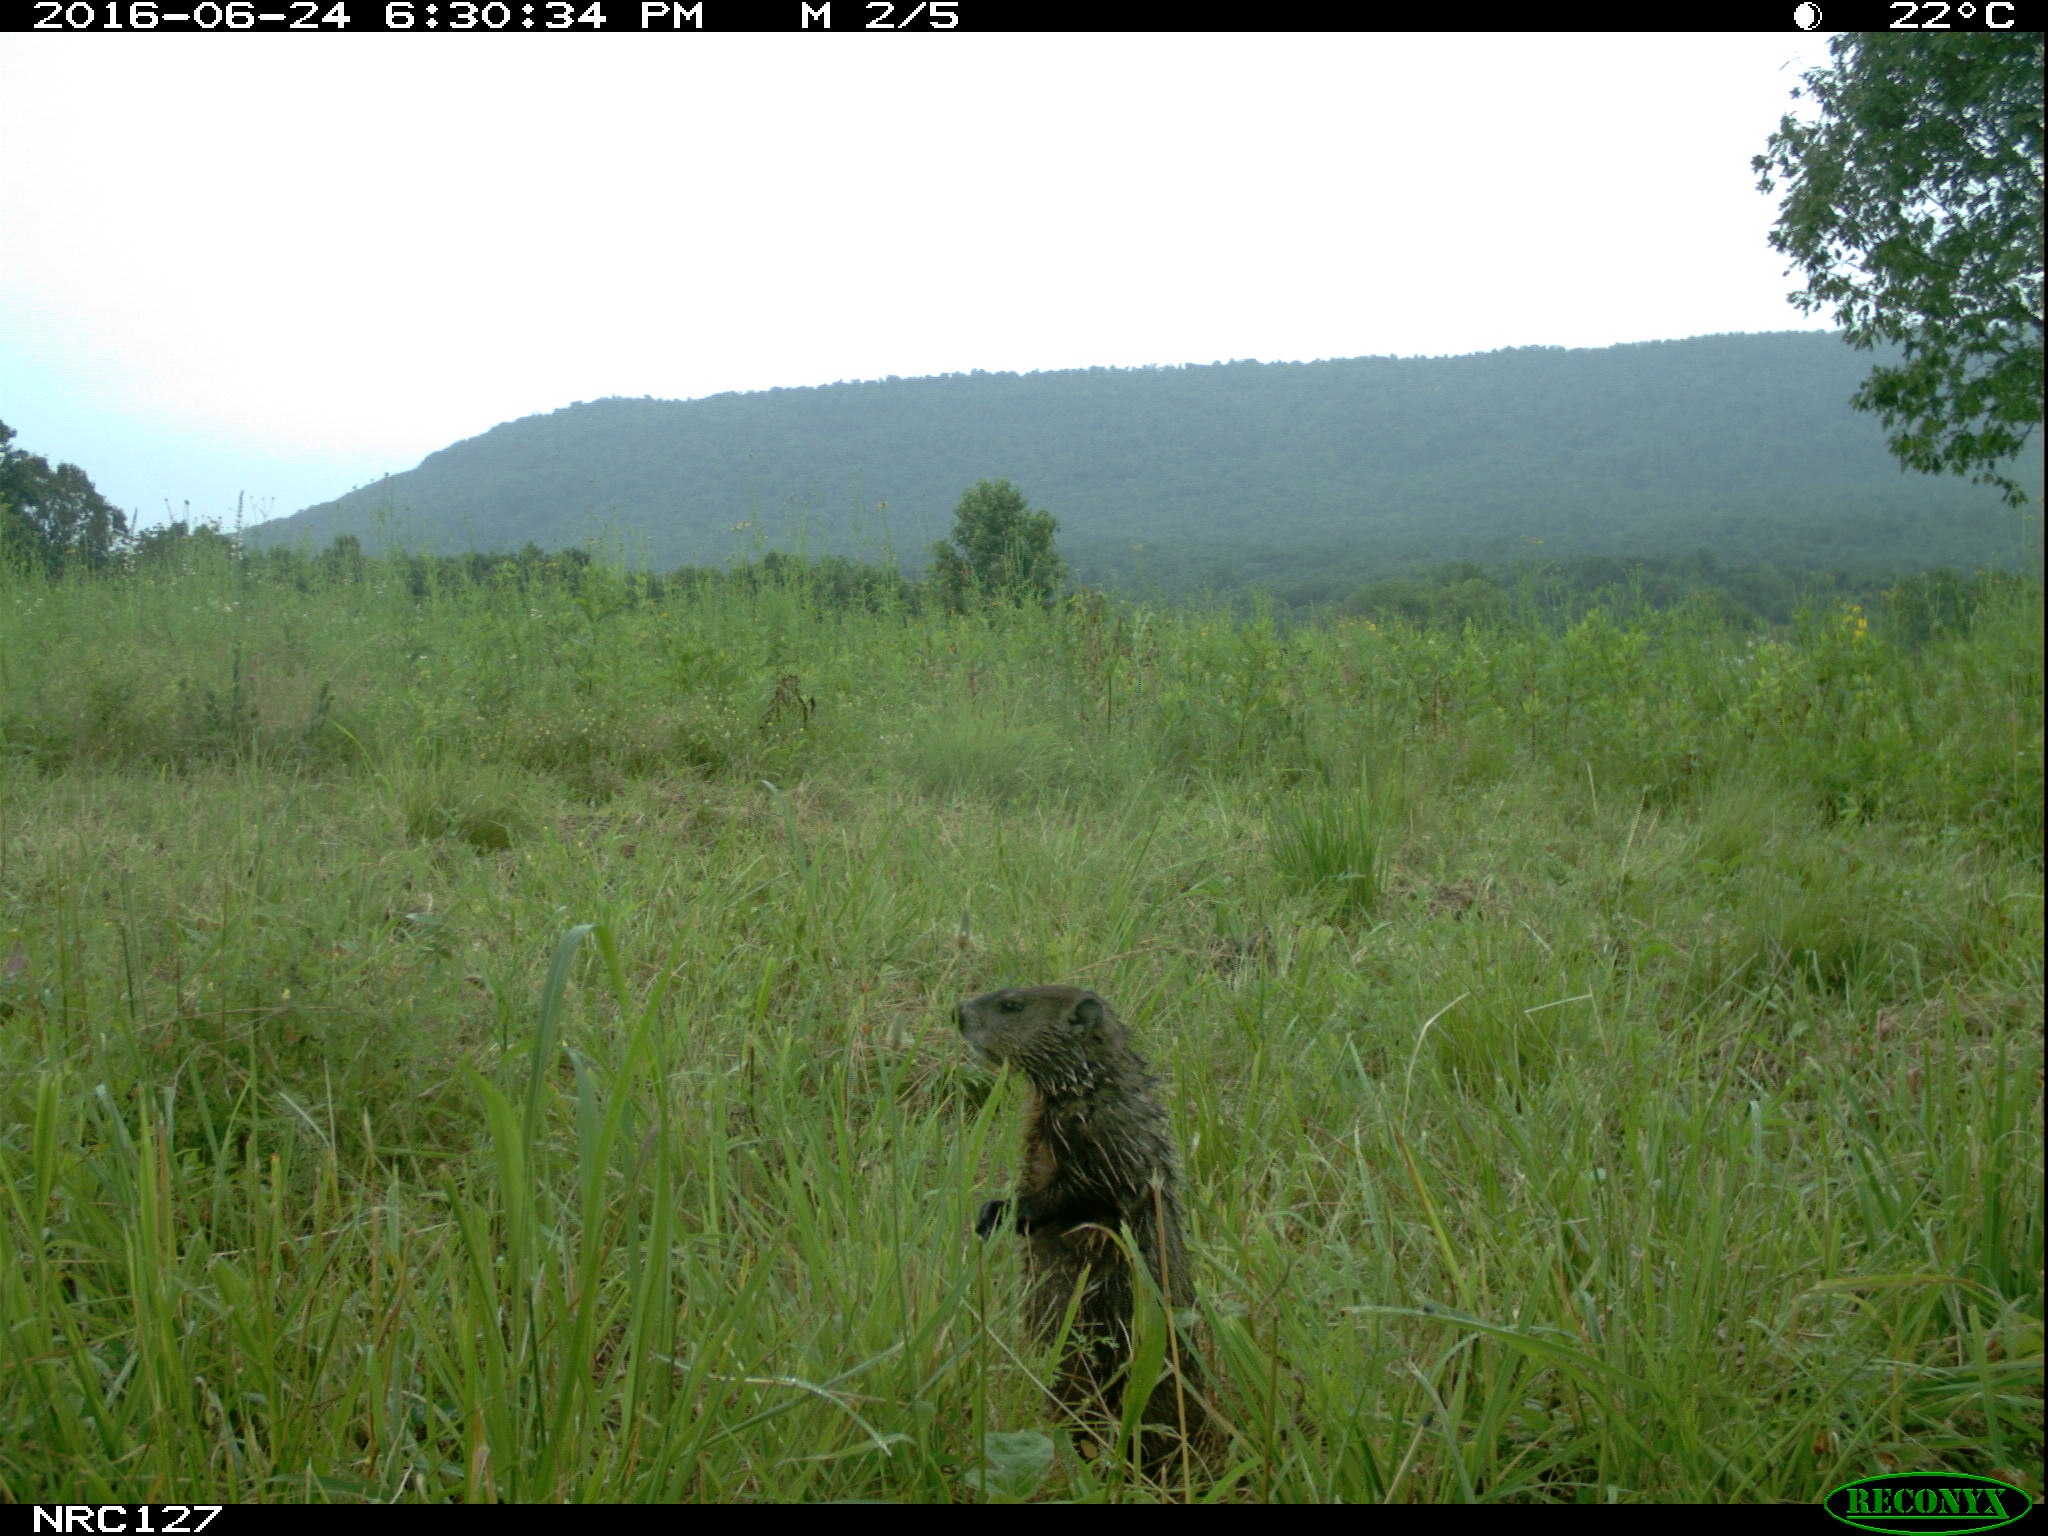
(1330, 845)
(955, 755)
(963, 753)
(484, 808)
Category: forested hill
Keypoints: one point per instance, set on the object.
(1741, 444)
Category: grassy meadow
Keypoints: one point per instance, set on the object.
(495, 1044)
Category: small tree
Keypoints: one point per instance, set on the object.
(999, 549)
(1914, 205)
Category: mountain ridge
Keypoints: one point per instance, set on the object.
(1742, 443)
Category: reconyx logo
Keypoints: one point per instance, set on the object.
(1946, 1502)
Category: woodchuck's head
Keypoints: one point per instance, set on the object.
(1062, 1038)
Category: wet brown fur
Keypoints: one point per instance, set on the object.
(1098, 1158)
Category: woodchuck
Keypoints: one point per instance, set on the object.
(1098, 1157)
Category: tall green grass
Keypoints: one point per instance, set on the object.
(494, 1044)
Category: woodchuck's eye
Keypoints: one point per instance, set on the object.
(1011, 1005)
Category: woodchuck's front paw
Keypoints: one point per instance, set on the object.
(991, 1217)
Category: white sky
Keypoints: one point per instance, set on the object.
(281, 266)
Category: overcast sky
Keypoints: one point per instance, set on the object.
(278, 267)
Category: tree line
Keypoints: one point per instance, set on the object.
(53, 522)
(52, 519)
(1002, 552)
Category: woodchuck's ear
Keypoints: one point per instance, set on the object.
(1087, 1012)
